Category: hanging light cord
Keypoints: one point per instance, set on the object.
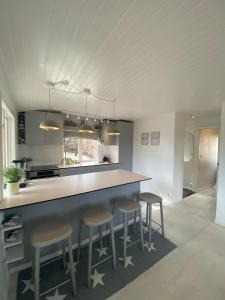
(49, 101)
(114, 111)
(86, 105)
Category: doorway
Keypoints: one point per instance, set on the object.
(200, 159)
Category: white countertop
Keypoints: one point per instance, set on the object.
(42, 190)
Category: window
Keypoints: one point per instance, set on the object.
(82, 150)
(8, 136)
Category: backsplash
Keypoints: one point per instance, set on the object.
(41, 154)
(52, 154)
(111, 150)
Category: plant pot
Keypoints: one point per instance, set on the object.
(12, 188)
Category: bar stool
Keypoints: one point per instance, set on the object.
(151, 199)
(48, 233)
(92, 218)
(127, 206)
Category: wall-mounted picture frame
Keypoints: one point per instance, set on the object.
(155, 138)
(145, 138)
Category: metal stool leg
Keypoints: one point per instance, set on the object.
(147, 214)
(37, 273)
(90, 256)
(113, 245)
(33, 268)
(150, 225)
(64, 254)
(141, 230)
(74, 287)
(135, 218)
(162, 219)
(100, 235)
(125, 239)
(79, 241)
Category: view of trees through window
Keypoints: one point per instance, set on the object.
(80, 149)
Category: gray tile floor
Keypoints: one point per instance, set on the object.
(195, 270)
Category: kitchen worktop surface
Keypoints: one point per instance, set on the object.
(42, 190)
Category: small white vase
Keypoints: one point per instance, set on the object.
(12, 188)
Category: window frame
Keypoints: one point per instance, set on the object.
(80, 154)
(8, 135)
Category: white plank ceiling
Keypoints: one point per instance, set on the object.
(153, 56)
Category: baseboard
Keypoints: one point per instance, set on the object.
(59, 252)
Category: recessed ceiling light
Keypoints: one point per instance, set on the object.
(193, 116)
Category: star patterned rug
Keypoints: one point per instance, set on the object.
(55, 280)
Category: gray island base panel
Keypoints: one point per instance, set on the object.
(94, 189)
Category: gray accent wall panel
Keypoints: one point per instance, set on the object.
(125, 145)
(71, 208)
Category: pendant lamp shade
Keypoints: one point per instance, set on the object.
(113, 131)
(49, 125)
(85, 128)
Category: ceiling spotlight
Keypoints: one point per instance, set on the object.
(193, 116)
(86, 118)
(95, 120)
(78, 117)
(67, 115)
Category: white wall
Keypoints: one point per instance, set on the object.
(220, 208)
(41, 154)
(164, 163)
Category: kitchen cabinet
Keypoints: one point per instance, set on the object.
(36, 136)
(125, 144)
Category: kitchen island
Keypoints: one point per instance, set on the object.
(68, 197)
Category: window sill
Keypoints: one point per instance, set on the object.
(85, 164)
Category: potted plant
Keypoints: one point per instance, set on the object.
(12, 175)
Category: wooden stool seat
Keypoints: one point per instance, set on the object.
(126, 205)
(150, 198)
(97, 216)
(51, 232)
